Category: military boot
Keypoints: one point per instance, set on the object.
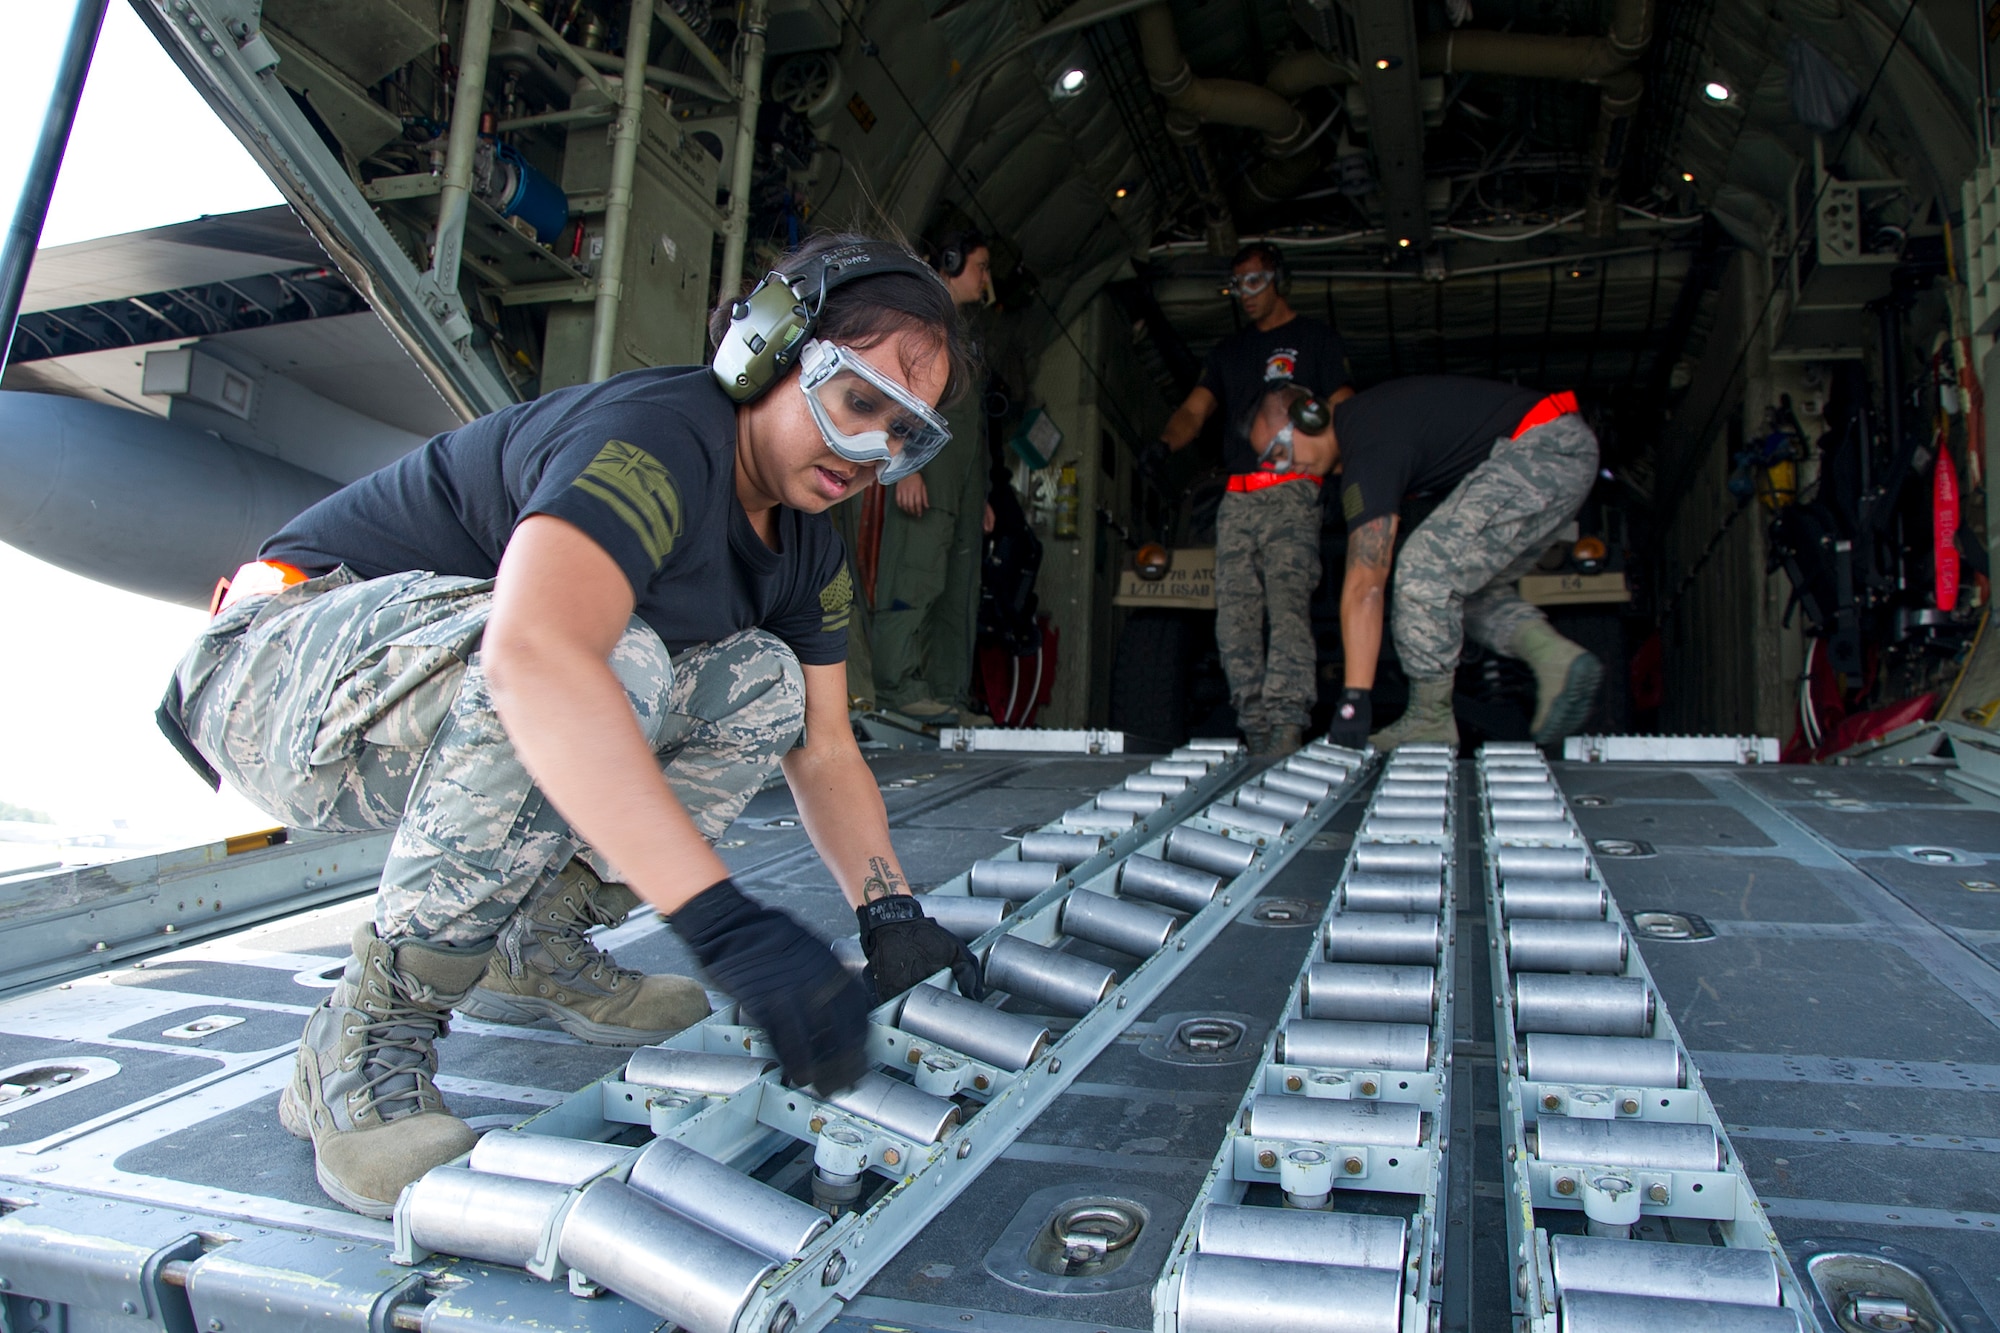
(1278, 741)
(1428, 718)
(1566, 680)
(545, 966)
(362, 1088)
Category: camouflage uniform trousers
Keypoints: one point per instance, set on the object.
(1266, 567)
(345, 704)
(1456, 574)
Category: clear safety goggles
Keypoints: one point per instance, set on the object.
(865, 416)
(1249, 284)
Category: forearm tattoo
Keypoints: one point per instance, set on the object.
(1372, 545)
(883, 880)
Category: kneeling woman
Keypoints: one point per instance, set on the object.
(558, 650)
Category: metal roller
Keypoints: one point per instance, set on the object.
(1658, 1145)
(1156, 782)
(1292, 784)
(1414, 789)
(965, 916)
(1341, 753)
(1371, 992)
(1398, 859)
(1582, 1006)
(1630, 1062)
(748, 1211)
(1336, 774)
(1519, 777)
(1566, 946)
(1337, 1045)
(1183, 888)
(1177, 768)
(1095, 818)
(509, 1152)
(1117, 924)
(1065, 849)
(1408, 807)
(1352, 1240)
(1197, 755)
(1384, 937)
(1372, 892)
(1321, 1120)
(666, 1263)
(1223, 745)
(1282, 804)
(1554, 899)
(1250, 821)
(1509, 749)
(1531, 832)
(1602, 1312)
(1136, 802)
(1225, 1293)
(897, 1106)
(847, 951)
(1672, 1272)
(1420, 766)
(1047, 978)
(1511, 810)
(1543, 862)
(1209, 851)
(499, 1219)
(712, 1073)
(1006, 1041)
(1015, 881)
(1375, 826)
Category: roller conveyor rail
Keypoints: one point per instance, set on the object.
(1627, 1209)
(708, 1222)
(1321, 1210)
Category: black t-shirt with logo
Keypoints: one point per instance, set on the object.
(645, 465)
(1417, 437)
(1245, 366)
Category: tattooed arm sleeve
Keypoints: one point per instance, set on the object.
(1363, 597)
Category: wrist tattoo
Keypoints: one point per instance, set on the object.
(883, 880)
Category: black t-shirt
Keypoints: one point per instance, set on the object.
(1243, 367)
(1418, 437)
(645, 464)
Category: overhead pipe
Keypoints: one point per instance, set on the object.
(468, 104)
(735, 239)
(618, 197)
(1609, 62)
(1192, 102)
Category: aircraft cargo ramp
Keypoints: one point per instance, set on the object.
(1246, 1074)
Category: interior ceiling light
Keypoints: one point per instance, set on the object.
(1688, 176)
(1383, 63)
(1120, 192)
(1715, 91)
(1070, 82)
(1403, 241)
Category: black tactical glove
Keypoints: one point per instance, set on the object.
(1351, 720)
(786, 981)
(904, 946)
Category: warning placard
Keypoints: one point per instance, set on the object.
(1190, 584)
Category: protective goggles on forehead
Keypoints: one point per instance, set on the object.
(1249, 284)
(865, 416)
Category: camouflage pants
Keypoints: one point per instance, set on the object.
(1266, 567)
(345, 704)
(1456, 574)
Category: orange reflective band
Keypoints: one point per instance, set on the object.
(1257, 481)
(1542, 413)
(259, 578)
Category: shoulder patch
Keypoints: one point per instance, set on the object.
(1351, 503)
(636, 487)
(836, 601)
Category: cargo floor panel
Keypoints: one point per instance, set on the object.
(1749, 887)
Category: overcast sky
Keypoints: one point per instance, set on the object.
(82, 665)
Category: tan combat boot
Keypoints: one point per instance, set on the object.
(362, 1087)
(1278, 741)
(545, 966)
(1427, 719)
(1566, 680)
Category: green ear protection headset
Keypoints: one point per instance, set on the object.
(769, 327)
